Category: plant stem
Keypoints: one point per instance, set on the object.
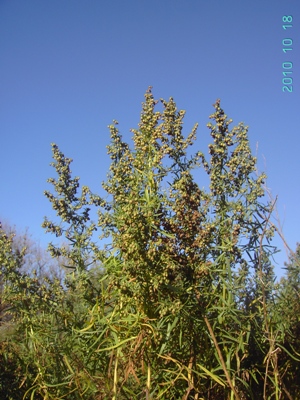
(221, 358)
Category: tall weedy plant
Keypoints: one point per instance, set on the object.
(180, 304)
(190, 260)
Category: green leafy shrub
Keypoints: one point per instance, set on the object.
(178, 300)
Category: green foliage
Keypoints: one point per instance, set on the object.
(288, 304)
(73, 212)
(181, 303)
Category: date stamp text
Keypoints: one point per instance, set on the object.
(287, 66)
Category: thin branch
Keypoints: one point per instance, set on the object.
(221, 358)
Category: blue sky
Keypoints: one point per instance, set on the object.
(68, 68)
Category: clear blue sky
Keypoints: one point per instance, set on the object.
(68, 68)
